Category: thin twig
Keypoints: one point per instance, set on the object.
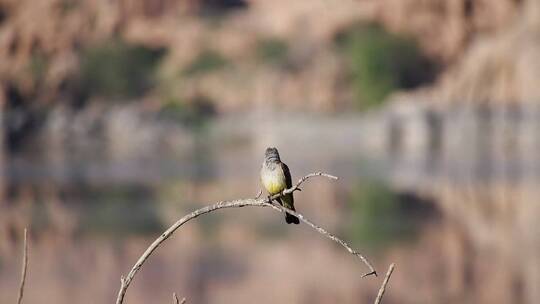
(24, 267)
(383, 286)
(176, 301)
(266, 202)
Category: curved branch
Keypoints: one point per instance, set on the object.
(265, 202)
(125, 281)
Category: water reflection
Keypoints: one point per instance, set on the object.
(380, 218)
(458, 231)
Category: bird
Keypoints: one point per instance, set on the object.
(276, 177)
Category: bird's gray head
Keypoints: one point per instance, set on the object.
(271, 155)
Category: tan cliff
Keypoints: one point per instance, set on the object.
(502, 67)
(486, 50)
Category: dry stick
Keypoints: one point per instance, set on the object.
(265, 202)
(175, 299)
(383, 286)
(24, 267)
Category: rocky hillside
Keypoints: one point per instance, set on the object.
(445, 29)
(239, 55)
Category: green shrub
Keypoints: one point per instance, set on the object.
(39, 64)
(272, 50)
(67, 6)
(117, 69)
(381, 63)
(207, 61)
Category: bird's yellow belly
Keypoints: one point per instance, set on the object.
(273, 182)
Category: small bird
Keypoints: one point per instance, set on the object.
(276, 177)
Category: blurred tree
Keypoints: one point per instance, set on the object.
(272, 50)
(207, 61)
(381, 63)
(116, 69)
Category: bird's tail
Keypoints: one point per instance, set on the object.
(291, 219)
(288, 202)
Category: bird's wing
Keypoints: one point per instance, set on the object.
(288, 179)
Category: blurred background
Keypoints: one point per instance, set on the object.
(119, 117)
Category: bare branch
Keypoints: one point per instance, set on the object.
(24, 267)
(385, 281)
(176, 301)
(263, 202)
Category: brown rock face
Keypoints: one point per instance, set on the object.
(445, 28)
(500, 68)
(41, 42)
